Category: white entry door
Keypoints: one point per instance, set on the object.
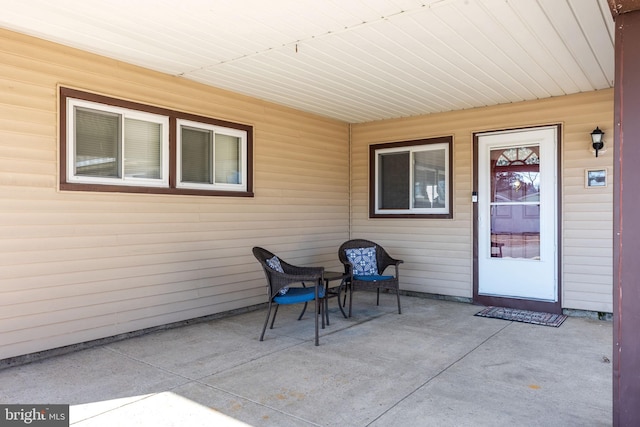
(517, 214)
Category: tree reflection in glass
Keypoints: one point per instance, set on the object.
(515, 202)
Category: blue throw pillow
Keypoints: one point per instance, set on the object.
(275, 264)
(363, 261)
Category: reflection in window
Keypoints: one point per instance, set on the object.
(412, 178)
(107, 144)
(111, 145)
(97, 138)
(515, 203)
(515, 174)
(429, 179)
(211, 156)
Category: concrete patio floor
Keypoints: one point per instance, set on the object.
(436, 364)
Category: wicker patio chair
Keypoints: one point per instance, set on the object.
(280, 278)
(366, 268)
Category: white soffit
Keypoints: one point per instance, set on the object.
(352, 60)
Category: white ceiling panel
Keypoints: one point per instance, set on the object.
(352, 60)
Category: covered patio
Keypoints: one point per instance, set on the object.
(435, 364)
(316, 90)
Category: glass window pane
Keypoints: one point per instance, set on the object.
(515, 207)
(429, 179)
(411, 179)
(196, 155)
(112, 143)
(142, 149)
(515, 231)
(97, 143)
(393, 175)
(227, 159)
(515, 175)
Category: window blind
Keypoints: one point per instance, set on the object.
(97, 143)
(196, 155)
(142, 149)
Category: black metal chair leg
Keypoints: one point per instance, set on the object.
(347, 286)
(275, 313)
(303, 310)
(345, 299)
(326, 306)
(350, 299)
(319, 310)
(398, 295)
(266, 321)
(378, 299)
(322, 304)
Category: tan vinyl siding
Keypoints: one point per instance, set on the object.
(438, 252)
(76, 266)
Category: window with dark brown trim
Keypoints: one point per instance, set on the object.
(113, 145)
(411, 179)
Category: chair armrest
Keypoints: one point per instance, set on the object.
(303, 271)
(298, 274)
(387, 261)
(279, 280)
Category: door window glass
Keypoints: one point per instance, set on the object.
(515, 203)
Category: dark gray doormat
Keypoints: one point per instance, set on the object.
(525, 316)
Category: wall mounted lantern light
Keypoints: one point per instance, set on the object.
(596, 140)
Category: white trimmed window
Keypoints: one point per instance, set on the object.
(211, 157)
(114, 145)
(111, 145)
(411, 179)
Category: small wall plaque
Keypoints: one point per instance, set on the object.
(595, 178)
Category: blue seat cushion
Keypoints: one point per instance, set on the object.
(372, 278)
(296, 295)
